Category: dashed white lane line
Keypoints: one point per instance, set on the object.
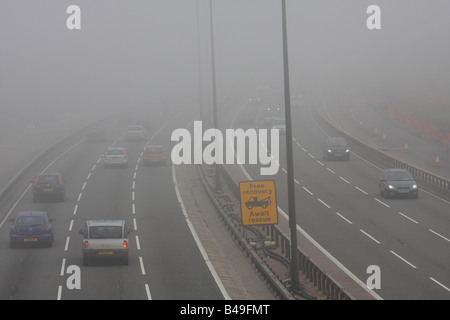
(331, 171)
(410, 219)
(138, 244)
(361, 190)
(63, 267)
(384, 204)
(147, 290)
(79, 196)
(340, 215)
(66, 247)
(344, 180)
(440, 284)
(326, 205)
(304, 188)
(439, 235)
(369, 236)
(141, 263)
(403, 259)
(75, 209)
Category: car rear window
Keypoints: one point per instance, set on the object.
(136, 128)
(30, 221)
(154, 150)
(48, 179)
(105, 232)
(115, 152)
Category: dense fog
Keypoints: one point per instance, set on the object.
(154, 53)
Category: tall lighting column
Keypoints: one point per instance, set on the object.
(214, 94)
(289, 153)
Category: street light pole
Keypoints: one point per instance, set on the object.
(290, 162)
(214, 94)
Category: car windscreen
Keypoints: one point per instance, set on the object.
(105, 232)
(30, 221)
(399, 176)
(337, 143)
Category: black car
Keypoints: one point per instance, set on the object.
(96, 135)
(49, 186)
(398, 182)
(336, 148)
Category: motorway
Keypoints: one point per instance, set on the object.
(338, 204)
(165, 260)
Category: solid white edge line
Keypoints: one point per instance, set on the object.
(197, 240)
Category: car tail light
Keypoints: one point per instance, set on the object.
(86, 244)
(59, 180)
(125, 243)
(37, 179)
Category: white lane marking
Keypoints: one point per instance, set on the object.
(309, 154)
(66, 247)
(359, 189)
(437, 282)
(138, 244)
(58, 296)
(133, 208)
(331, 170)
(147, 290)
(79, 196)
(368, 235)
(84, 186)
(132, 196)
(439, 235)
(404, 215)
(71, 225)
(384, 204)
(134, 224)
(344, 180)
(324, 203)
(89, 175)
(93, 168)
(403, 259)
(320, 162)
(141, 263)
(308, 191)
(75, 209)
(63, 267)
(344, 218)
(296, 181)
(134, 185)
(197, 240)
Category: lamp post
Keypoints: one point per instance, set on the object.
(289, 153)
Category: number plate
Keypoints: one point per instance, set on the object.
(30, 239)
(49, 190)
(105, 252)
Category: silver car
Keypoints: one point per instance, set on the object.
(115, 156)
(135, 133)
(105, 239)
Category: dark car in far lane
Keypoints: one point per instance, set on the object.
(49, 186)
(336, 148)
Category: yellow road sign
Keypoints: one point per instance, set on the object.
(258, 202)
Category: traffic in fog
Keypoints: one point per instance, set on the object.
(111, 114)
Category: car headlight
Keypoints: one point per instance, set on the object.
(414, 186)
(347, 150)
(391, 187)
(329, 150)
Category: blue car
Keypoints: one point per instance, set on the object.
(31, 227)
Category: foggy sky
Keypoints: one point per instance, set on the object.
(143, 52)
